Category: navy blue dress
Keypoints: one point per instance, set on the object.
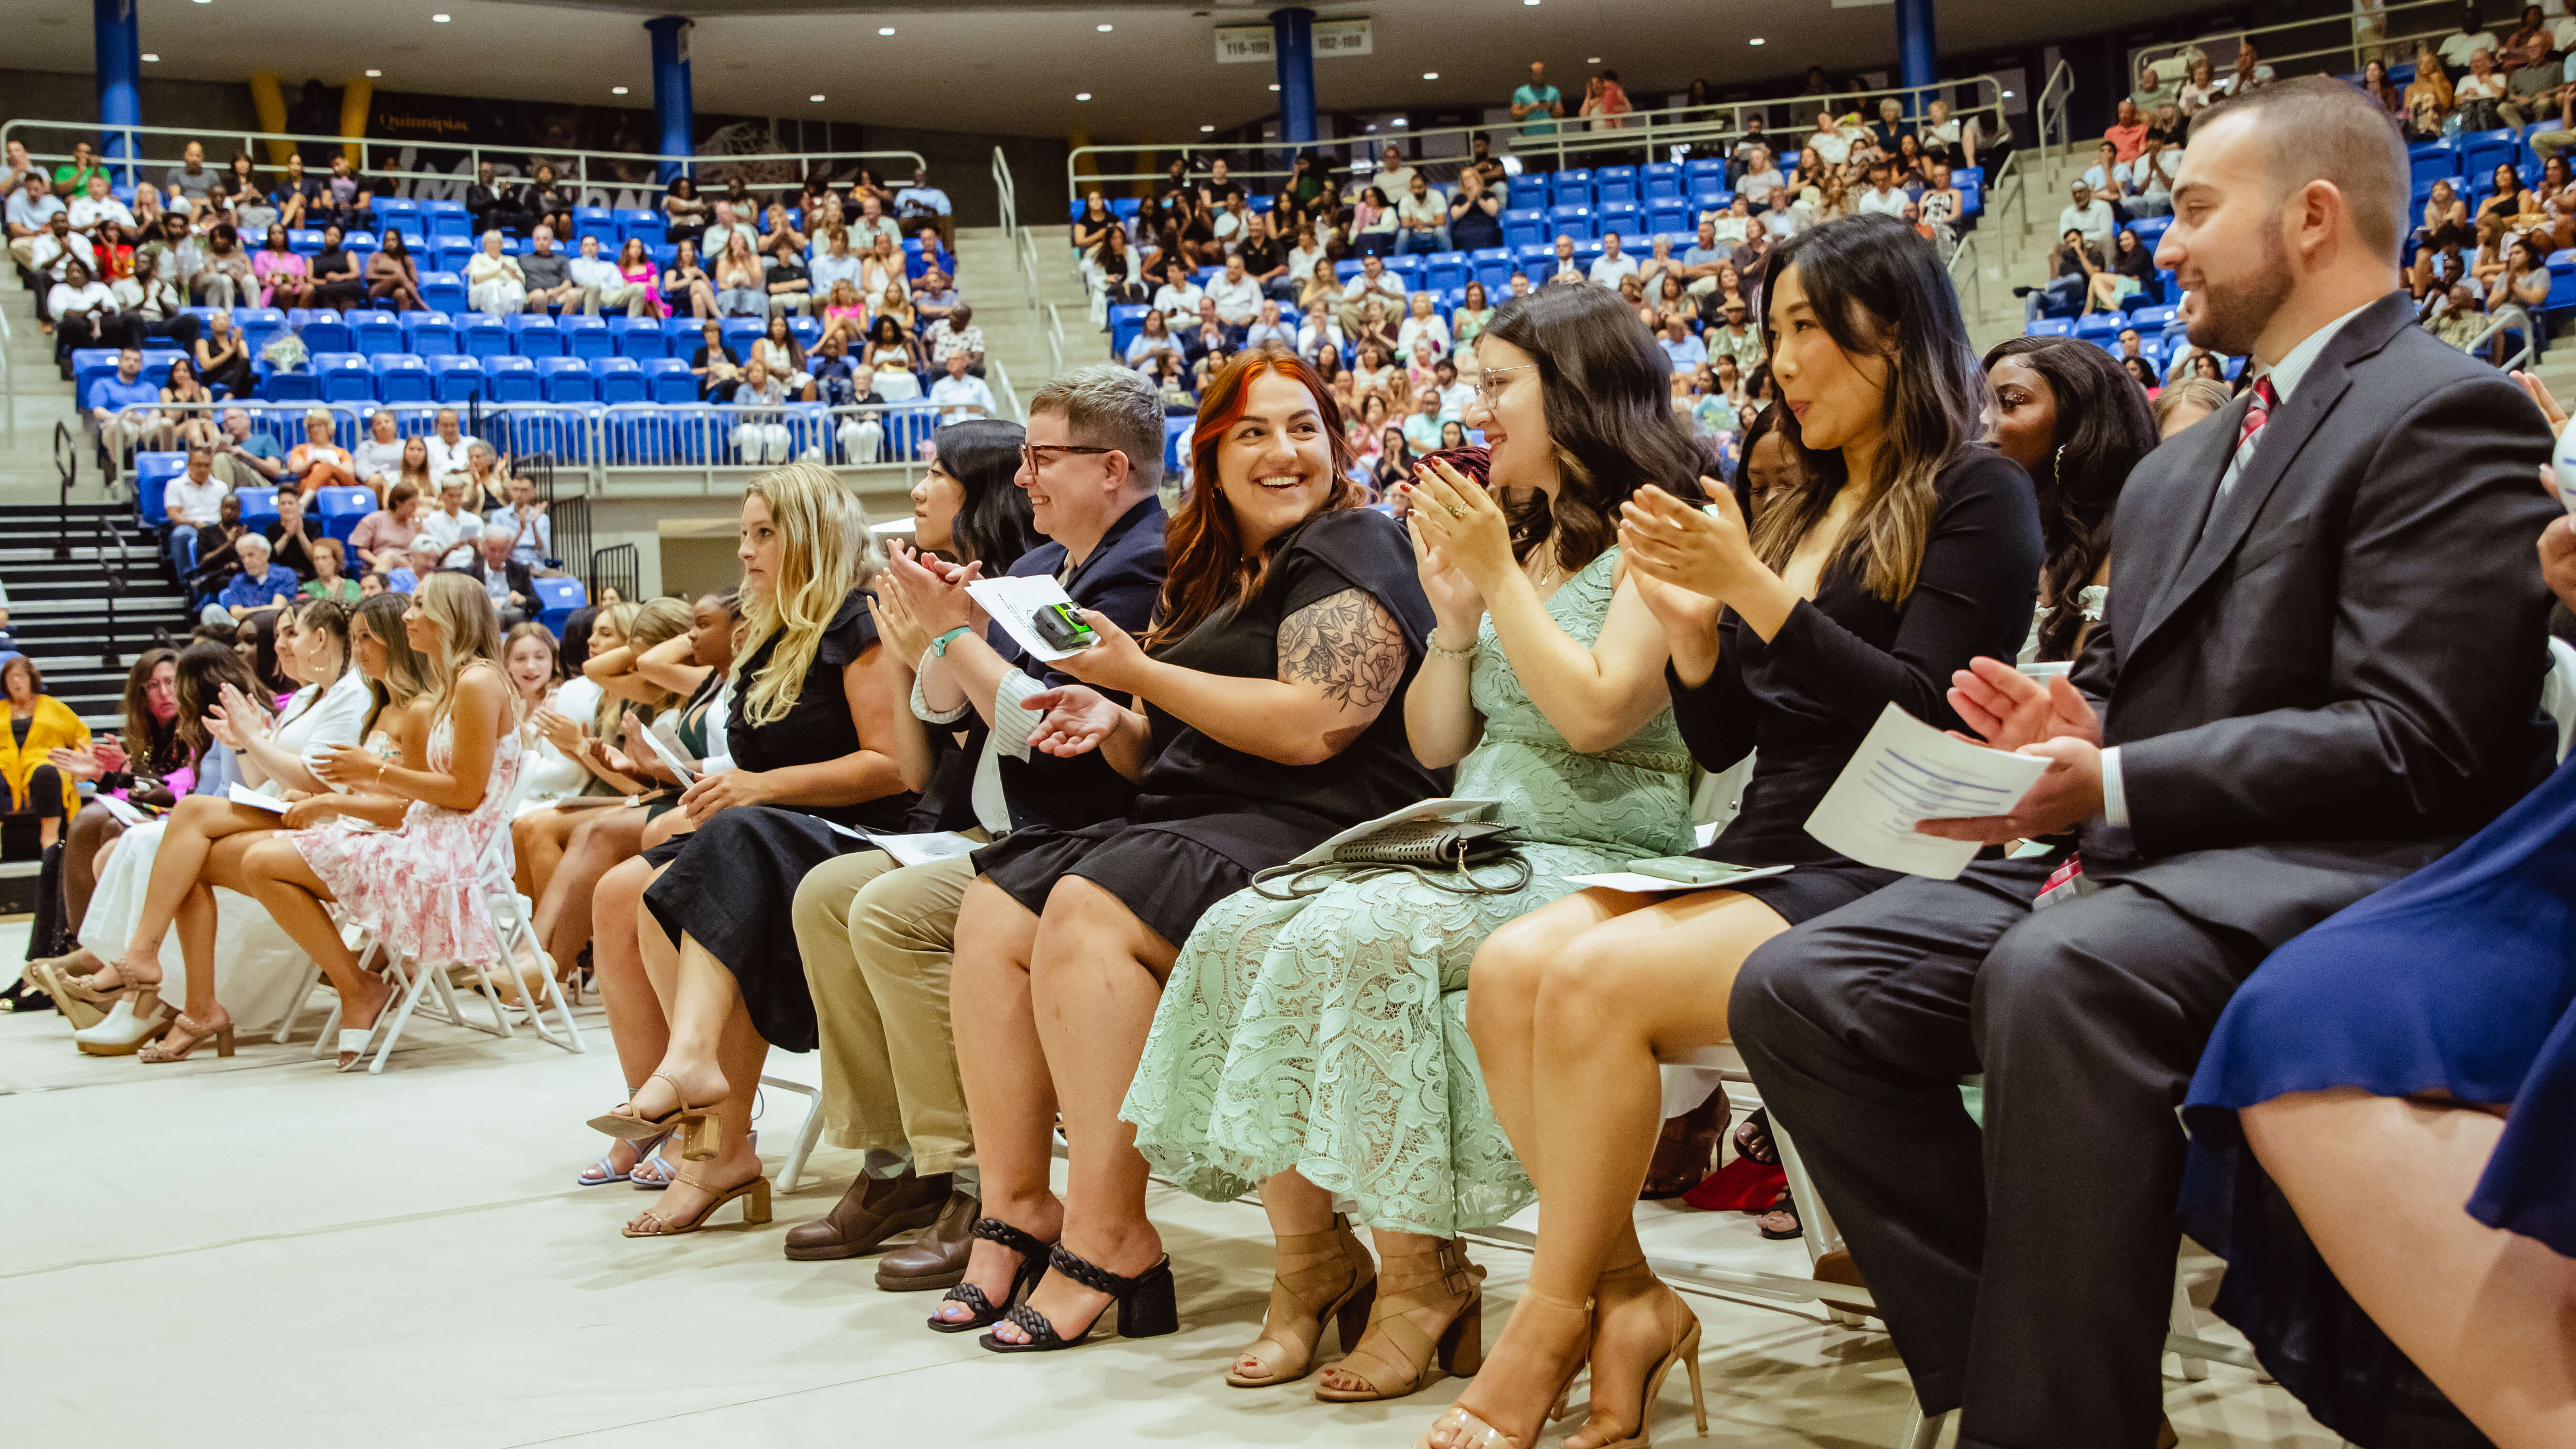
(2458, 981)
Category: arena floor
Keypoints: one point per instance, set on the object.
(260, 1252)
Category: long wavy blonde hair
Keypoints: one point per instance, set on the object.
(826, 548)
(468, 632)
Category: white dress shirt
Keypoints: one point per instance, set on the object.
(446, 457)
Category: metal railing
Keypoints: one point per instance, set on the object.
(2357, 45)
(1966, 251)
(1055, 335)
(619, 178)
(2510, 317)
(1027, 258)
(1009, 191)
(1652, 135)
(2048, 113)
(998, 378)
(619, 566)
(8, 378)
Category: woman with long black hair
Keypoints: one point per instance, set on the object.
(2077, 422)
(1867, 588)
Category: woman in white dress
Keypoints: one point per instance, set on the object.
(165, 873)
(494, 284)
(534, 662)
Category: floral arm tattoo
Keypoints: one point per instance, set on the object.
(1349, 647)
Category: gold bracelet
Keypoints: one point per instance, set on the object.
(380, 770)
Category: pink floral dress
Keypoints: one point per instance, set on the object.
(419, 886)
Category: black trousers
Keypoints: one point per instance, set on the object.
(2026, 1271)
(43, 797)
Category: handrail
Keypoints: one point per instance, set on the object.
(2354, 18)
(1644, 131)
(1008, 189)
(8, 380)
(1055, 335)
(998, 377)
(2509, 315)
(717, 168)
(67, 466)
(1967, 248)
(118, 585)
(1027, 261)
(2040, 111)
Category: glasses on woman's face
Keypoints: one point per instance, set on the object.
(1487, 389)
(1036, 456)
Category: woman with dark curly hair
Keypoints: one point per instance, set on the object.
(2077, 422)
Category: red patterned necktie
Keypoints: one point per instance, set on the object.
(2255, 417)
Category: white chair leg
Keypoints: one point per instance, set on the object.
(811, 1134)
(422, 982)
(2187, 1323)
(286, 1023)
(1817, 1234)
(1922, 1430)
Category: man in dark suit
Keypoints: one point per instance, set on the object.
(2318, 672)
(510, 583)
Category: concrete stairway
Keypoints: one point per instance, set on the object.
(1015, 332)
(43, 399)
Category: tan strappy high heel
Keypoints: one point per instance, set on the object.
(754, 1212)
(171, 1048)
(1321, 1276)
(1427, 1304)
(701, 1136)
(1468, 1431)
(1682, 1332)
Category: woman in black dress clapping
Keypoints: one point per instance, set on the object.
(708, 966)
(1290, 618)
(1885, 570)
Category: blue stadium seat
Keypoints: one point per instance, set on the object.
(585, 336)
(339, 509)
(1124, 323)
(1624, 217)
(683, 336)
(483, 336)
(448, 254)
(806, 330)
(1444, 271)
(1662, 181)
(375, 334)
(535, 335)
(401, 378)
(344, 376)
(258, 507)
(304, 241)
(619, 380)
(1572, 220)
(89, 364)
(1524, 225)
(259, 326)
(2049, 327)
(455, 378)
(326, 331)
(2562, 285)
(358, 241)
(639, 222)
(2430, 160)
(428, 334)
(668, 380)
(290, 387)
(637, 337)
(152, 474)
(2481, 152)
(557, 598)
(447, 221)
(1675, 221)
(443, 291)
(2151, 319)
(566, 380)
(511, 379)
(397, 213)
(1409, 267)
(2093, 326)
(1615, 183)
(1570, 188)
(595, 221)
(741, 332)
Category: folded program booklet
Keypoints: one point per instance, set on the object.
(1012, 600)
(1906, 772)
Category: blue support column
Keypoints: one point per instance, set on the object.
(120, 74)
(1293, 41)
(671, 102)
(1918, 53)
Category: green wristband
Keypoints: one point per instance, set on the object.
(939, 646)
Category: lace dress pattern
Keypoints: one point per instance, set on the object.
(419, 886)
(1329, 1034)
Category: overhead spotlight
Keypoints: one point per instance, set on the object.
(150, 57)
(1400, 121)
(885, 30)
(1431, 75)
(1757, 40)
(1207, 130)
(439, 19)
(816, 97)
(1592, 60)
(1274, 85)
(371, 75)
(617, 90)
(1082, 95)
(2007, 95)
(1104, 29)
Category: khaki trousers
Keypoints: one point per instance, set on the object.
(876, 939)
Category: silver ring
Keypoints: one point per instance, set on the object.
(1455, 511)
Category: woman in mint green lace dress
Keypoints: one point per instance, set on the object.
(1317, 1048)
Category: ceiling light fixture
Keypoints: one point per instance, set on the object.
(617, 90)
(371, 75)
(1592, 60)
(438, 19)
(1207, 130)
(816, 97)
(1431, 75)
(1757, 40)
(1082, 95)
(1274, 85)
(1104, 29)
(149, 56)
(1400, 121)
(885, 30)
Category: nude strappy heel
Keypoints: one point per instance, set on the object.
(701, 1135)
(197, 1035)
(1682, 1332)
(754, 1213)
(1321, 1277)
(1428, 1305)
(1466, 1430)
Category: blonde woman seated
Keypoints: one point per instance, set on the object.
(319, 460)
(494, 283)
(417, 886)
(1315, 1047)
(696, 942)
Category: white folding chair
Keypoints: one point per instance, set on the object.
(806, 1139)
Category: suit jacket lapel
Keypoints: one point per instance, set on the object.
(2159, 532)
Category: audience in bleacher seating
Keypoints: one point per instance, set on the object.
(2077, 423)
(39, 724)
(319, 461)
(759, 437)
(223, 359)
(382, 539)
(1921, 548)
(292, 537)
(330, 581)
(340, 279)
(495, 285)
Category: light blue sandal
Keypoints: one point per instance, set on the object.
(601, 1174)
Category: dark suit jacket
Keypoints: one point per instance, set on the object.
(1122, 579)
(522, 579)
(2337, 679)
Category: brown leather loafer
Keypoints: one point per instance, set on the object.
(937, 1258)
(873, 1210)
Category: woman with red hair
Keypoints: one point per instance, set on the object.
(1290, 620)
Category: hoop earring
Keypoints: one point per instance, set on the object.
(2057, 466)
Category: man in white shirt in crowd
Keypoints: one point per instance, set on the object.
(718, 235)
(1832, 146)
(1421, 218)
(1455, 392)
(190, 502)
(1267, 330)
(1317, 332)
(447, 446)
(1879, 198)
(1237, 296)
(1733, 334)
(872, 223)
(524, 523)
(85, 311)
(1563, 264)
(30, 213)
(1760, 179)
(1393, 177)
(2472, 37)
(98, 206)
(2088, 214)
(1373, 281)
(960, 394)
(245, 459)
(922, 202)
(1611, 265)
(451, 528)
(1232, 223)
(1178, 298)
(2148, 180)
(957, 332)
(596, 280)
(1685, 350)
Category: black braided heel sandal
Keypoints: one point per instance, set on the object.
(1145, 1306)
(1033, 1266)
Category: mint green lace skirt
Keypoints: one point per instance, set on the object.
(1329, 1035)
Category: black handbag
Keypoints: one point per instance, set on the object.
(1439, 853)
